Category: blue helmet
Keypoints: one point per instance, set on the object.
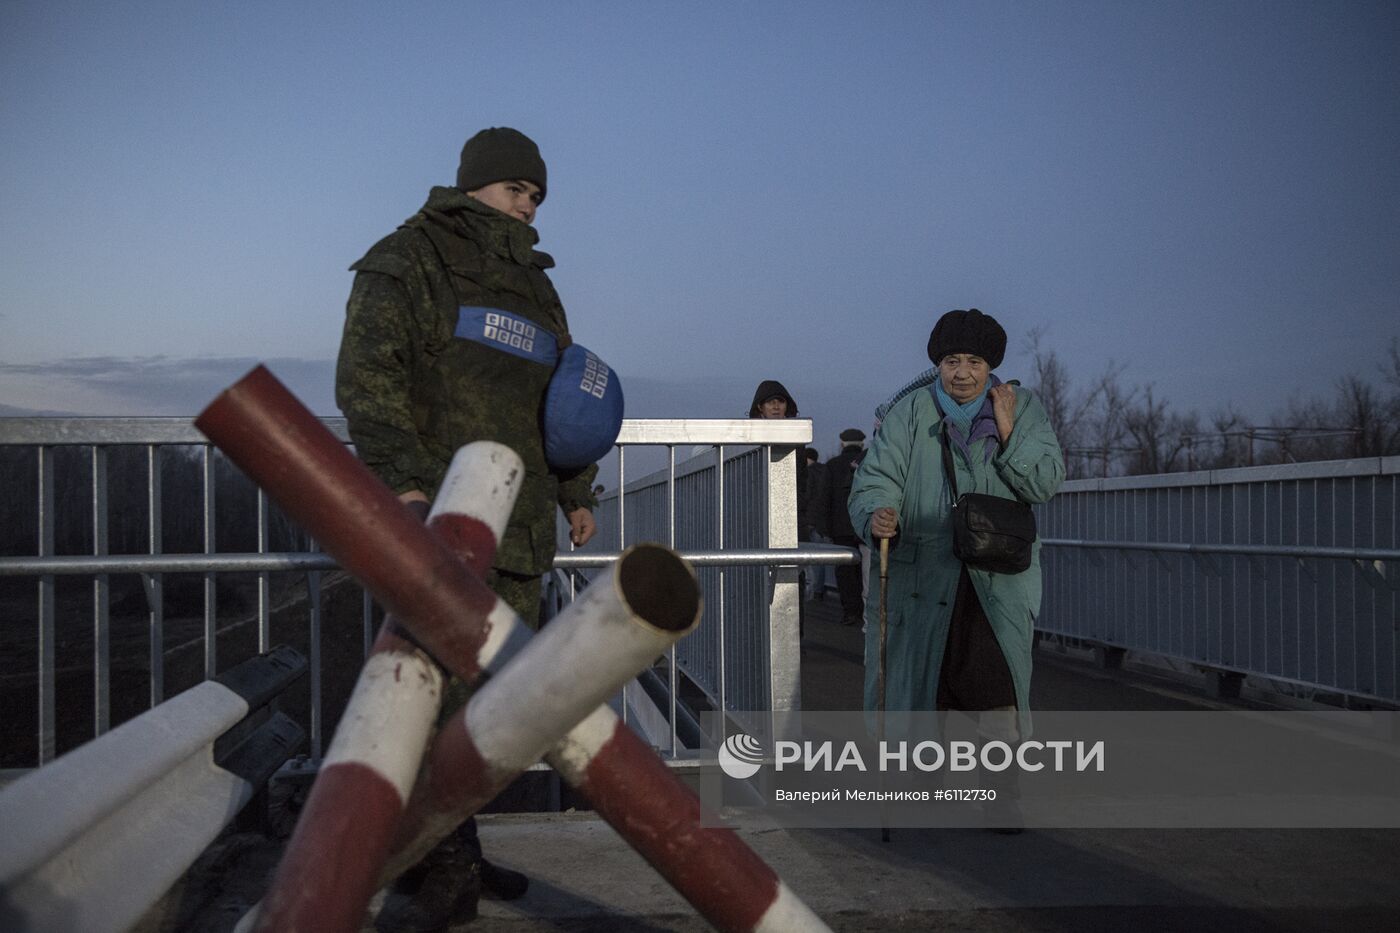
(582, 410)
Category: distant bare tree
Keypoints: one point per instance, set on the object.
(1391, 378)
(1052, 386)
(1105, 425)
(1158, 434)
(1221, 446)
(1361, 410)
(1087, 423)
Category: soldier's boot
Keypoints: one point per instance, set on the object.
(497, 883)
(501, 884)
(438, 892)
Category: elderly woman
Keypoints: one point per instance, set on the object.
(958, 638)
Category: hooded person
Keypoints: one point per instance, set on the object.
(959, 638)
(453, 332)
(766, 399)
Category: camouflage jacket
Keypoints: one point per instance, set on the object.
(449, 337)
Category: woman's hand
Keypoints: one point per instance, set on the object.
(1004, 408)
(884, 524)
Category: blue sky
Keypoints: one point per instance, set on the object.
(1205, 193)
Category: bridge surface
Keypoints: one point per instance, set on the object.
(585, 878)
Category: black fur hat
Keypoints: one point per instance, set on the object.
(968, 332)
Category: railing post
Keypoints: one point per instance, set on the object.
(671, 543)
(47, 730)
(211, 658)
(785, 662)
(720, 613)
(101, 599)
(264, 581)
(154, 582)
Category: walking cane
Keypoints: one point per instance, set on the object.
(884, 629)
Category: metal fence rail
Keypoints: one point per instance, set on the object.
(158, 440)
(1287, 572)
(729, 507)
(736, 536)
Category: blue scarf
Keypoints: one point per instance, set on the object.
(969, 421)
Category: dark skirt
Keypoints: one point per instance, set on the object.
(974, 675)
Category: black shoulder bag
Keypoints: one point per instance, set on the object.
(989, 532)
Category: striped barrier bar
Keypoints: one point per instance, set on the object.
(97, 836)
(710, 866)
(319, 484)
(274, 439)
(323, 883)
(638, 795)
(648, 599)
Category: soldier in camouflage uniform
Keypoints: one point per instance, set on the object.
(451, 335)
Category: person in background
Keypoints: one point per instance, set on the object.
(812, 505)
(805, 456)
(771, 400)
(840, 473)
(452, 333)
(958, 638)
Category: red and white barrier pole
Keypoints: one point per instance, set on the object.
(282, 446)
(630, 787)
(627, 618)
(710, 866)
(414, 575)
(370, 768)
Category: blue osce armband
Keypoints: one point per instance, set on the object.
(511, 333)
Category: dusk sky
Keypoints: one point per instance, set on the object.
(1205, 193)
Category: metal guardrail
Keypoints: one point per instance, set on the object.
(96, 437)
(729, 508)
(155, 438)
(1289, 572)
(1286, 572)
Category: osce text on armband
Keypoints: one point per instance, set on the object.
(1031, 755)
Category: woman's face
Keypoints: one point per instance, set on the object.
(964, 376)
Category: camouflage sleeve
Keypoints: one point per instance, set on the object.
(373, 377)
(576, 491)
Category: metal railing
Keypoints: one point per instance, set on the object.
(748, 527)
(1290, 572)
(729, 507)
(161, 444)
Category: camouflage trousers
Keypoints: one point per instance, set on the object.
(521, 593)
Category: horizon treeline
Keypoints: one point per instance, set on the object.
(1108, 428)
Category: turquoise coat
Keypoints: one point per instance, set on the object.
(904, 470)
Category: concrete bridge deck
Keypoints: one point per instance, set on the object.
(585, 878)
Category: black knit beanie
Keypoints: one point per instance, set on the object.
(500, 154)
(968, 332)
